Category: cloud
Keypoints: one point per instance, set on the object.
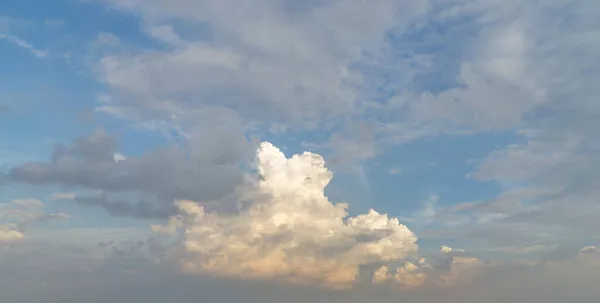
(97, 265)
(23, 44)
(450, 268)
(127, 207)
(446, 249)
(552, 165)
(407, 277)
(63, 196)
(287, 71)
(204, 169)
(516, 68)
(10, 236)
(118, 157)
(17, 215)
(427, 214)
(272, 62)
(106, 39)
(590, 250)
(290, 232)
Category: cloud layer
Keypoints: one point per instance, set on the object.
(196, 171)
(272, 61)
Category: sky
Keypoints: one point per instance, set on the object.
(299, 151)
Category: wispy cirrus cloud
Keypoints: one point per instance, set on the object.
(24, 44)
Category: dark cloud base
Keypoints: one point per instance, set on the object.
(199, 171)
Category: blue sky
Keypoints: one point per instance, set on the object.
(472, 122)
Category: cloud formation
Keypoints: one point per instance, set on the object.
(17, 215)
(23, 44)
(118, 270)
(290, 231)
(198, 171)
(451, 268)
(270, 61)
(215, 73)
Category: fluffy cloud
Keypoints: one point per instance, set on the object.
(290, 231)
(17, 215)
(444, 270)
(407, 277)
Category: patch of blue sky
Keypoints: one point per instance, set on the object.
(134, 140)
(44, 99)
(81, 20)
(425, 57)
(408, 175)
(61, 79)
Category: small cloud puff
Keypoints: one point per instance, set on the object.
(590, 250)
(447, 249)
(118, 157)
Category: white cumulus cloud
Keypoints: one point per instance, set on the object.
(290, 232)
(407, 277)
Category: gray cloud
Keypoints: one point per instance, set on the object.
(205, 169)
(494, 76)
(540, 69)
(119, 271)
(18, 215)
(128, 208)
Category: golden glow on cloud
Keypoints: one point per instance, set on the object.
(291, 232)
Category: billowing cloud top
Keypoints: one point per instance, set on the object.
(291, 231)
